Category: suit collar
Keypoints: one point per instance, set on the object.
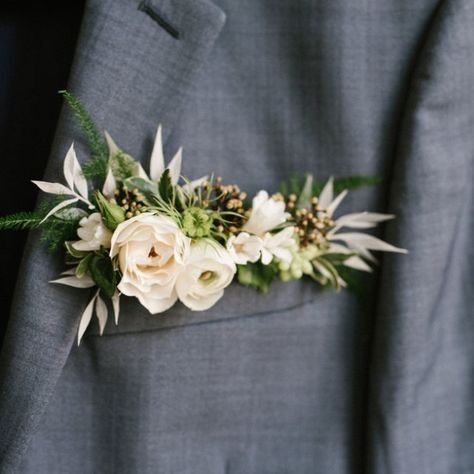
(131, 73)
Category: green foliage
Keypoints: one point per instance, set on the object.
(112, 214)
(165, 187)
(348, 182)
(123, 166)
(296, 185)
(256, 275)
(197, 223)
(20, 221)
(96, 166)
(101, 270)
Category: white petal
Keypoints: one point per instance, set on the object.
(367, 241)
(175, 166)
(157, 161)
(61, 205)
(86, 318)
(109, 185)
(54, 188)
(84, 282)
(334, 204)
(327, 194)
(116, 306)
(101, 313)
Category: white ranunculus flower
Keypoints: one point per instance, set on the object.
(93, 234)
(209, 269)
(244, 248)
(151, 252)
(266, 214)
(278, 245)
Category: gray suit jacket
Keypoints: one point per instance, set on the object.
(297, 380)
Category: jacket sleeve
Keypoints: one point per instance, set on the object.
(421, 415)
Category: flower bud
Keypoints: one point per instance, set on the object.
(112, 214)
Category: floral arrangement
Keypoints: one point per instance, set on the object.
(161, 238)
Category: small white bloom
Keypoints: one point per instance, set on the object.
(93, 234)
(209, 269)
(244, 248)
(151, 252)
(278, 245)
(266, 214)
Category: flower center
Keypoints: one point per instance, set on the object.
(152, 253)
(206, 276)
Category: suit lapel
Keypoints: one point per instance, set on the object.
(134, 65)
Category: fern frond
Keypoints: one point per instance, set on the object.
(20, 221)
(96, 166)
(348, 182)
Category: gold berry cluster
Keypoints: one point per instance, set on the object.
(132, 202)
(228, 198)
(311, 225)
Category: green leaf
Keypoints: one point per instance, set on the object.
(123, 166)
(83, 265)
(165, 186)
(256, 275)
(20, 221)
(148, 188)
(74, 252)
(348, 182)
(102, 272)
(337, 258)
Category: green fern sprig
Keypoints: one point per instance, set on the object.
(96, 166)
(20, 221)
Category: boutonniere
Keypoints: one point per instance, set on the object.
(159, 237)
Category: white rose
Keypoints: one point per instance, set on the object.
(266, 214)
(151, 251)
(209, 269)
(244, 248)
(278, 245)
(93, 234)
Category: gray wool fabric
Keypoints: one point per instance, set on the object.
(296, 380)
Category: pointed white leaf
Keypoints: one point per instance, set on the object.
(68, 166)
(54, 188)
(175, 166)
(157, 161)
(140, 172)
(334, 204)
(366, 241)
(116, 306)
(71, 271)
(84, 282)
(86, 318)
(192, 185)
(327, 194)
(57, 208)
(357, 263)
(113, 148)
(101, 313)
(109, 187)
(361, 220)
